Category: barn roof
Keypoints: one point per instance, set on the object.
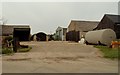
(82, 25)
(108, 21)
(59, 28)
(113, 18)
(8, 29)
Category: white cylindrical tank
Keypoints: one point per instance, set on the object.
(104, 36)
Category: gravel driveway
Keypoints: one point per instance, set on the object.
(59, 57)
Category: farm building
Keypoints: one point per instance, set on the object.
(0, 30)
(39, 37)
(33, 37)
(0, 35)
(77, 29)
(112, 22)
(21, 31)
(23, 34)
(61, 34)
(49, 37)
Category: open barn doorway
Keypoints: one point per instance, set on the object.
(23, 34)
(20, 34)
(41, 36)
(73, 36)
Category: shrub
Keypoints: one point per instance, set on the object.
(24, 49)
(9, 38)
(7, 50)
(7, 41)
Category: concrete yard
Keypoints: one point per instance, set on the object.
(58, 57)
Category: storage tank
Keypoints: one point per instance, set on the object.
(104, 36)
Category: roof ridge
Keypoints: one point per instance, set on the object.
(83, 21)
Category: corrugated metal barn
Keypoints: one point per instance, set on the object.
(112, 22)
(77, 29)
(41, 36)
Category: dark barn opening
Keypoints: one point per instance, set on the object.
(41, 36)
(22, 34)
(117, 30)
(31, 38)
(72, 36)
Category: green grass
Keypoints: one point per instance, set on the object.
(111, 53)
(24, 49)
(7, 51)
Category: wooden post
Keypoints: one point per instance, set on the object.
(15, 44)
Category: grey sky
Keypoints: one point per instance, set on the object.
(47, 16)
(0, 9)
(119, 8)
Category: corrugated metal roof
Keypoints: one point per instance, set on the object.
(114, 18)
(82, 25)
(59, 28)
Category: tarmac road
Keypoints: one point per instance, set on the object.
(58, 57)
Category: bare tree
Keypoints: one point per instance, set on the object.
(3, 21)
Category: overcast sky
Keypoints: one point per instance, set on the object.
(119, 8)
(47, 16)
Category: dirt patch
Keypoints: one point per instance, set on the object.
(64, 58)
(59, 57)
(20, 59)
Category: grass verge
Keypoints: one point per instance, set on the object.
(7, 51)
(24, 49)
(111, 53)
